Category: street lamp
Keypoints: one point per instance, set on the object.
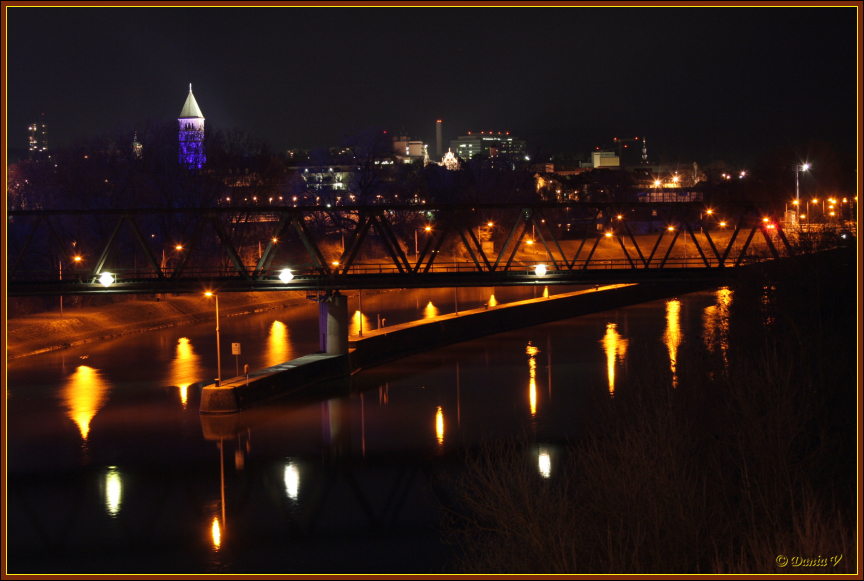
(798, 170)
(218, 351)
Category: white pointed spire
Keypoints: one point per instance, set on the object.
(190, 108)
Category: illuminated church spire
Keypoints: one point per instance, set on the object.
(191, 133)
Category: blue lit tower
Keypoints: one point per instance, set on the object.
(191, 133)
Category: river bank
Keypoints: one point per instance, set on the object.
(41, 332)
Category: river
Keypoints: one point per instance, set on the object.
(112, 470)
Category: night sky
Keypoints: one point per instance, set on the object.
(700, 83)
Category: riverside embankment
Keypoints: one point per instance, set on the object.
(41, 332)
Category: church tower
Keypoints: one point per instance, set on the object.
(191, 133)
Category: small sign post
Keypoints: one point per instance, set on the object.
(235, 350)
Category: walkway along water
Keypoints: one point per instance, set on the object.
(389, 343)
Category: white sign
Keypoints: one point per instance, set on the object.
(235, 348)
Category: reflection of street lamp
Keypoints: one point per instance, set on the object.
(218, 351)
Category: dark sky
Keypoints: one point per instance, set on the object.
(699, 83)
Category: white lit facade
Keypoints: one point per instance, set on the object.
(489, 144)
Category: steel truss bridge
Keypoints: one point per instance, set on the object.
(65, 252)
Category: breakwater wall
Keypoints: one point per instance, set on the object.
(382, 345)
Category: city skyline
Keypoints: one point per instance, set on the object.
(700, 83)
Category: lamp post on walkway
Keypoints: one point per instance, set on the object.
(798, 170)
(218, 350)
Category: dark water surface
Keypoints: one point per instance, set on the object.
(112, 470)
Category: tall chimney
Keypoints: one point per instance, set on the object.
(438, 139)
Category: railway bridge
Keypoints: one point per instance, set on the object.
(323, 250)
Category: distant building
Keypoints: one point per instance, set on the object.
(489, 144)
(449, 161)
(191, 133)
(408, 149)
(38, 139)
(604, 159)
(137, 148)
(328, 182)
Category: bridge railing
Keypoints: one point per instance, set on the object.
(361, 269)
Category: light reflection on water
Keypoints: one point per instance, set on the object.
(185, 368)
(216, 533)
(430, 312)
(291, 477)
(113, 490)
(83, 395)
(615, 347)
(531, 350)
(672, 336)
(544, 463)
(715, 321)
(490, 375)
(278, 344)
(354, 325)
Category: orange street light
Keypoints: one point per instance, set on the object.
(218, 351)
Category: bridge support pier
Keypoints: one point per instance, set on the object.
(333, 323)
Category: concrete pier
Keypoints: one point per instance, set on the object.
(333, 324)
(241, 392)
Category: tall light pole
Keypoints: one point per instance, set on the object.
(218, 350)
(798, 170)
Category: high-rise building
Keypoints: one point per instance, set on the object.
(191, 133)
(438, 142)
(38, 139)
(488, 143)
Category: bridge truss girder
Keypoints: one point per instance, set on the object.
(304, 229)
